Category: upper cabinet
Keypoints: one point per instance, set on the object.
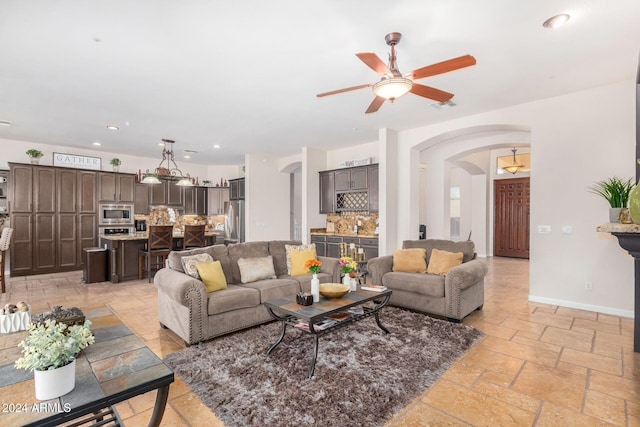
(195, 200)
(349, 189)
(116, 187)
(236, 189)
(167, 193)
(141, 199)
(218, 199)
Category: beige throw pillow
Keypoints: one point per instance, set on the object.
(189, 264)
(297, 248)
(254, 269)
(441, 262)
(410, 260)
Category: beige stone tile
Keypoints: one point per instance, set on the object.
(492, 329)
(548, 320)
(125, 410)
(535, 329)
(522, 401)
(552, 385)
(568, 338)
(608, 318)
(190, 408)
(421, 415)
(521, 351)
(604, 407)
(536, 343)
(615, 386)
(476, 408)
(573, 369)
(612, 351)
(492, 361)
(578, 314)
(555, 416)
(604, 338)
(527, 335)
(170, 419)
(592, 361)
(611, 328)
(463, 373)
(497, 378)
(631, 365)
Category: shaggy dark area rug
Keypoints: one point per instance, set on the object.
(362, 376)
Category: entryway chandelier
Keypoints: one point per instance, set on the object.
(168, 172)
(515, 166)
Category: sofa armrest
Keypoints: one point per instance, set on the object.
(377, 267)
(467, 274)
(179, 286)
(330, 266)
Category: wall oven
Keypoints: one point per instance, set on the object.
(111, 214)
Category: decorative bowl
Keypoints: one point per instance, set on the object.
(333, 290)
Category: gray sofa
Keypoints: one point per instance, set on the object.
(185, 307)
(453, 296)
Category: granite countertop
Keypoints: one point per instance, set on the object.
(143, 235)
(616, 227)
(324, 233)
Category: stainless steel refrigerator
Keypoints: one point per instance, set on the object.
(234, 222)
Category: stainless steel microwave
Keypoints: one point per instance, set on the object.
(121, 214)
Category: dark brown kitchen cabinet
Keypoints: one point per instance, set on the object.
(62, 218)
(236, 189)
(141, 199)
(351, 179)
(373, 189)
(195, 200)
(115, 187)
(217, 199)
(166, 193)
(321, 244)
(330, 245)
(327, 192)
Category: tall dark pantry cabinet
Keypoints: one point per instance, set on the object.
(54, 216)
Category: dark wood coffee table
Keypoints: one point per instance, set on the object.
(116, 368)
(307, 318)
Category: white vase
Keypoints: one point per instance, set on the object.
(346, 280)
(354, 284)
(35, 160)
(315, 288)
(115, 168)
(56, 382)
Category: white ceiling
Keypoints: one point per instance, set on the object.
(244, 74)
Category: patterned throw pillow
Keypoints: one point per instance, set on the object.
(297, 248)
(254, 269)
(189, 264)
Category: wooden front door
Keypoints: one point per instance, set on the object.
(511, 227)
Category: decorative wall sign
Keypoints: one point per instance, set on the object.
(355, 162)
(76, 161)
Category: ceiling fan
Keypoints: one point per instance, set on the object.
(393, 84)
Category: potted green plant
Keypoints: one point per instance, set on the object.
(50, 350)
(115, 164)
(615, 191)
(34, 155)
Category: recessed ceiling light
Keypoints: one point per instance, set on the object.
(216, 145)
(112, 127)
(161, 144)
(556, 21)
(96, 143)
(5, 123)
(186, 156)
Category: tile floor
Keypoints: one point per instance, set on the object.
(539, 365)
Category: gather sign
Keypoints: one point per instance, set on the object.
(77, 161)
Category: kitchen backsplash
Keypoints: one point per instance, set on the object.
(353, 223)
(165, 217)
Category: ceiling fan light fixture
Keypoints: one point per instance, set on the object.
(392, 88)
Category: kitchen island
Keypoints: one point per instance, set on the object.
(328, 244)
(123, 249)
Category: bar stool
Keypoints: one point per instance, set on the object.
(5, 238)
(159, 244)
(193, 236)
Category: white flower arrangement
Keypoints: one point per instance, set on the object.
(53, 345)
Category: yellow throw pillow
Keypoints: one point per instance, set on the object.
(441, 262)
(212, 275)
(410, 260)
(298, 260)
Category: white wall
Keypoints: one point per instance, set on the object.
(314, 161)
(576, 139)
(334, 157)
(267, 200)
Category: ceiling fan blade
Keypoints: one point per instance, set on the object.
(430, 92)
(443, 67)
(375, 63)
(346, 89)
(375, 104)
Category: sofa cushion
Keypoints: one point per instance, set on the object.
(189, 263)
(466, 247)
(410, 260)
(299, 261)
(244, 250)
(425, 284)
(232, 298)
(442, 261)
(279, 253)
(297, 248)
(252, 269)
(212, 275)
(271, 289)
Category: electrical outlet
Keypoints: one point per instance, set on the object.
(544, 229)
(588, 286)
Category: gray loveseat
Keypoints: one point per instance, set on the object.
(453, 296)
(185, 307)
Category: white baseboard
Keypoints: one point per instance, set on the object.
(579, 306)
